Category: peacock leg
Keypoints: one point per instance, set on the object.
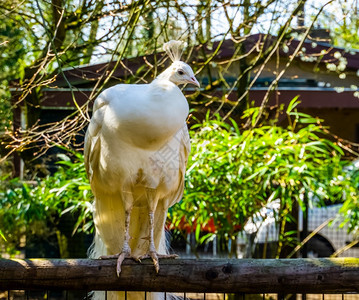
(126, 249)
(152, 249)
(152, 252)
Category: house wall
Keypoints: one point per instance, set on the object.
(299, 70)
(343, 122)
(339, 109)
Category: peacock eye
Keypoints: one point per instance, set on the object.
(180, 72)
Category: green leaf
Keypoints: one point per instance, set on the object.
(3, 236)
(292, 104)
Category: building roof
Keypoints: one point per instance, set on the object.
(84, 76)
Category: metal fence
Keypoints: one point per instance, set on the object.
(228, 279)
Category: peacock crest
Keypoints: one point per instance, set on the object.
(174, 49)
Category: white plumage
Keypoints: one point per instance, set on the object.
(136, 150)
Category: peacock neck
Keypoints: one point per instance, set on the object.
(165, 75)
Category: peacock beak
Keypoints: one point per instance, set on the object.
(194, 81)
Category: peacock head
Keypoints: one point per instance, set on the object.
(179, 71)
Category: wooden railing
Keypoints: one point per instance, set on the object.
(327, 275)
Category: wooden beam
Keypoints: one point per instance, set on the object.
(337, 275)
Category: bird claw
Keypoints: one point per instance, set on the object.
(120, 258)
(155, 256)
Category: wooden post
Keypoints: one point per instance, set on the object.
(326, 275)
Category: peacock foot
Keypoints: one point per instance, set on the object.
(120, 258)
(155, 256)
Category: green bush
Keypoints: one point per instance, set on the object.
(233, 173)
(35, 208)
